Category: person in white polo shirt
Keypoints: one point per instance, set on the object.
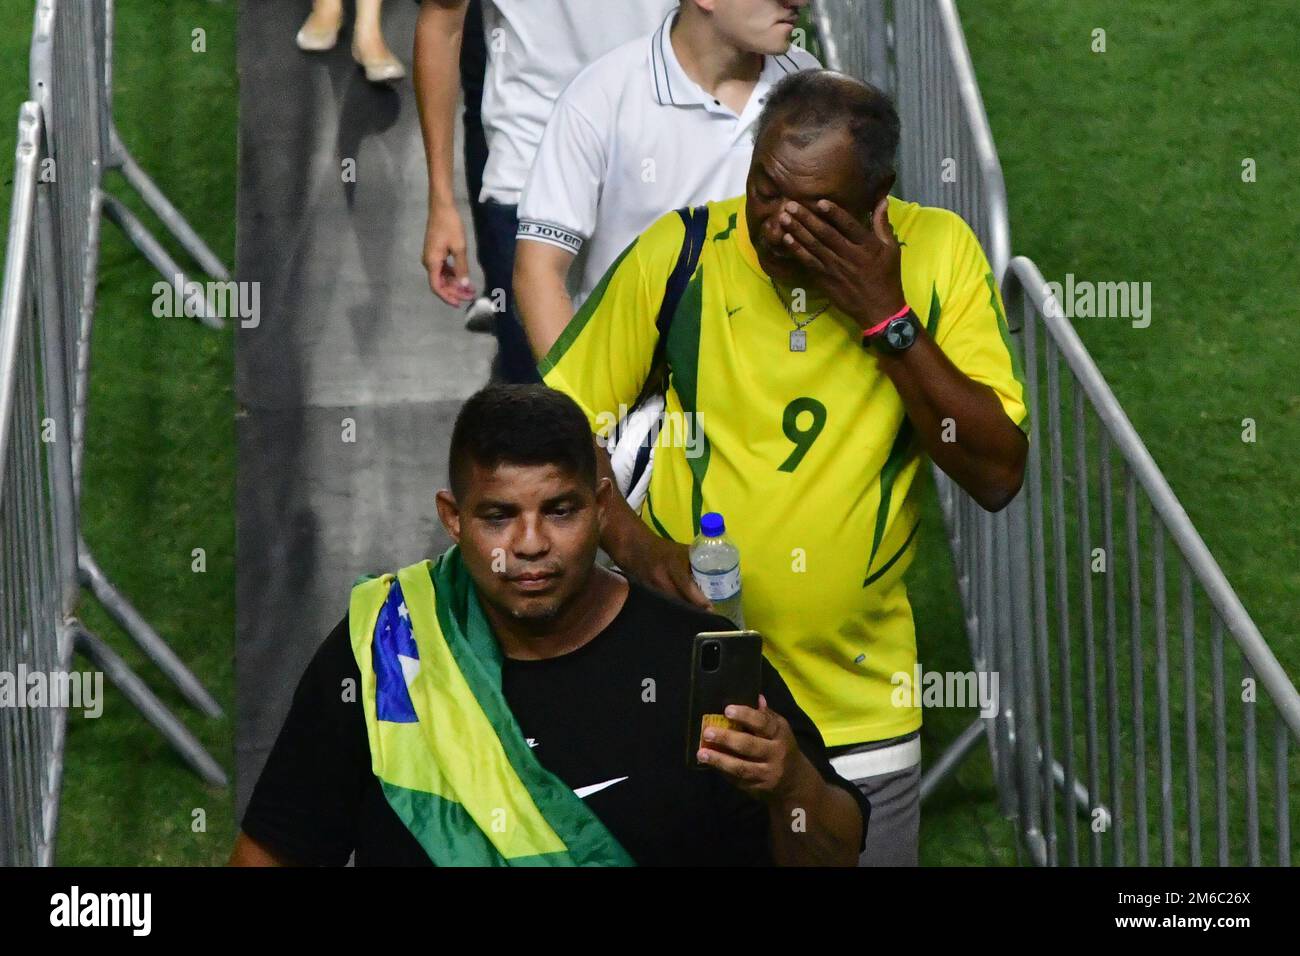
(659, 123)
(534, 48)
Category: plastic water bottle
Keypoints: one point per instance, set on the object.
(715, 565)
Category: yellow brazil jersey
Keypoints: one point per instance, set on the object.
(807, 455)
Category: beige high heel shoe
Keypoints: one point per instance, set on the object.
(379, 69)
(317, 37)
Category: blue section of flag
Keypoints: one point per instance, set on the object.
(393, 639)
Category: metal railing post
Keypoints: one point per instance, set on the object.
(70, 73)
(46, 322)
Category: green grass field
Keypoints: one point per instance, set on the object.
(1127, 165)
(160, 456)
(1120, 166)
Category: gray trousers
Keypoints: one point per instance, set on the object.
(893, 833)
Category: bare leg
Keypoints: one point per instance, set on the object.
(368, 46)
(320, 31)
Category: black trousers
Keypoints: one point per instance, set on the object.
(473, 69)
(495, 224)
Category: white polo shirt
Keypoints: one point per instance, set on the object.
(631, 138)
(534, 47)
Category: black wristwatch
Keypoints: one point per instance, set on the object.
(896, 337)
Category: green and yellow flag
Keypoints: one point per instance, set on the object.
(450, 756)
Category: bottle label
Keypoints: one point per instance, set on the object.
(718, 585)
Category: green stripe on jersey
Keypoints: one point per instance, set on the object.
(726, 233)
(1017, 369)
(683, 352)
(894, 560)
(898, 455)
(579, 321)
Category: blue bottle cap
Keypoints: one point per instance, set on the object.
(711, 525)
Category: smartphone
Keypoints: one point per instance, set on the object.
(726, 668)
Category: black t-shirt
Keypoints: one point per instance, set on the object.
(592, 717)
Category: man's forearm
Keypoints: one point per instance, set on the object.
(438, 32)
(819, 824)
(623, 526)
(659, 563)
(960, 422)
(541, 298)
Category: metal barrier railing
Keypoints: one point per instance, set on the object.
(66, 140)
(857, 36)
(947, 158)
(34, 556)
(71, 80)
(39, 544)
(117, 157)
(1098, 538)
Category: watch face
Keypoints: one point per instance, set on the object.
(900, 334)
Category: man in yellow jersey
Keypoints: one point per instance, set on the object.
(828, 338)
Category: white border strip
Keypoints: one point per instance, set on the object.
(872, 763)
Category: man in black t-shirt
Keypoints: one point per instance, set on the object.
(596, 672)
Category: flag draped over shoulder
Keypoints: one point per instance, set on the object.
(450, 756)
